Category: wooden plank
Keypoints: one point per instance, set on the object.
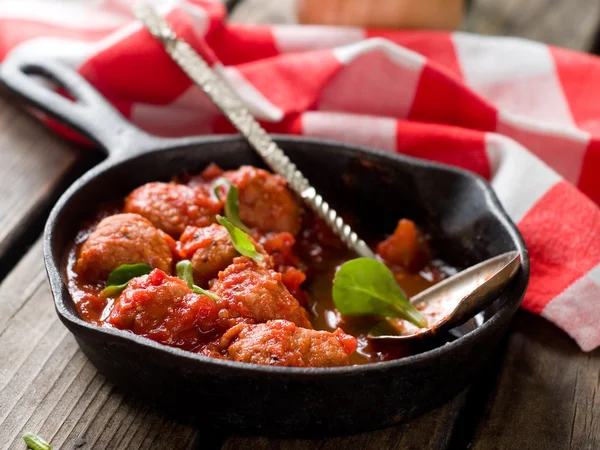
(48, 386)
(565, 23)
(32, 164)
(547, 395)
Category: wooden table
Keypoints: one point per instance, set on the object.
(539, 390)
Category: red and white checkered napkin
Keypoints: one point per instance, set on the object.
(521, 114)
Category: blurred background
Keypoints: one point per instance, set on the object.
(567, 23)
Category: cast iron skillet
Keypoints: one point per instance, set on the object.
(458, 208)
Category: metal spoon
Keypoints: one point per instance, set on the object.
(456, 299)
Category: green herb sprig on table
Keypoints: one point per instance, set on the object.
(35, 442)
(366, 286)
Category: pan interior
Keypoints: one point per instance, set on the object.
(377, 189)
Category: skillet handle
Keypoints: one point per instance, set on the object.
(89, 113)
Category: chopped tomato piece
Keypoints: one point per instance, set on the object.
(406, 247)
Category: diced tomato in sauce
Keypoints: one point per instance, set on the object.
(285, 301)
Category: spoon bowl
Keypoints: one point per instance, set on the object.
(456, 299)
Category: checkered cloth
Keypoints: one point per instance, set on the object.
(523, 115)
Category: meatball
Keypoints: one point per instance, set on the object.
(122, 239)
(210, 251)
(171, 207)
(406, 247)
(282, 343)
(265, 201)
(164, 309)
(251, 292)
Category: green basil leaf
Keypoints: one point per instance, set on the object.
(126, 272)
(240, 240)
(113, 291)
(367, 286)
(199, 290)
(35, 442)
(119, 278)
(185, 271)
(232, 205)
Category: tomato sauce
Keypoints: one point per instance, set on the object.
(306, 261)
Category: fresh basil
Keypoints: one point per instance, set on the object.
(185, 271)
(366, 286)
(232, 205)
(119, 278)
(240, 240)
(199, 290)
(35, 442)
(126, 272)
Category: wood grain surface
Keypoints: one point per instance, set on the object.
(565, 23)
(32, 164)
(547, 394)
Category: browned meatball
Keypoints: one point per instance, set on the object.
(164, 309)
(171, 207)
(265, 200)
(122, 239)
(253, 292)
(210, 250)
(282, 343)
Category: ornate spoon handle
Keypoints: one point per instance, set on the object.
(233, 108)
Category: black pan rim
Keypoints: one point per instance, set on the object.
(53, 268)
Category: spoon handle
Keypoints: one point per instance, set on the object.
(233, 108)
